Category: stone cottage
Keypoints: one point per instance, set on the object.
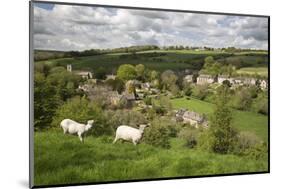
(205, 79)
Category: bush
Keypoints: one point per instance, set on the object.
(248, 144)
(81, 110)
(260, 104)
(200, 91)
(190, 136)
(242, 99)
(245, 141)
(259, 151)
(157, 134)
(124, 117)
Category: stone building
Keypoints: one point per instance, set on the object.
(205, 79)
(188, 78)
(193, 118)
(222, 78)
(263, 84)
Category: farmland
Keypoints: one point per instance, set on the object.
(160, 60)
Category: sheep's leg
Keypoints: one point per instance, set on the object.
(116, 138)
(134, 142)
(80, 137)
(64, 131)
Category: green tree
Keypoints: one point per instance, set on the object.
(169, 78)
(100, 73)
(81, 110)
(260, 104)
(242, 99)
(64, 82)
(154, 75)
(140, 71)
(222, 135)
(157, 134)
(126, 72)
(116, 84)
(46, 101)
(200, 91)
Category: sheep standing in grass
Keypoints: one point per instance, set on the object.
(128, 133)
(72, 127)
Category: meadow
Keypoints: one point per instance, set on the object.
(263, 71)
(242, 120)
(61, 159)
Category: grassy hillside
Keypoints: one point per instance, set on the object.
(61, 159)
(243, 120)
(263, 71)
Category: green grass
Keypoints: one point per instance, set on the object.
(63, 159)
(243, 120)
(263, 71)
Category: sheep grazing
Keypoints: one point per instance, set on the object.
(128, 133)
(72, 127)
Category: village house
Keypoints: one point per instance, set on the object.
(263, 84)
(249, 81)
(205, 79)
(111, 76)
(238, 81)
(188, 78)
(193, 118)
(145, 86)
(84, 74)
(85, 87)
(114, 97)
(222, 78)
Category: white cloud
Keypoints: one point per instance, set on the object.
(68, 27)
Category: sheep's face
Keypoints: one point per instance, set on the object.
(90, 122)
(142, 126)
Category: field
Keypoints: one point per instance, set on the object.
(263, 71)
(160, 60)
(242, 120)
(61, 159)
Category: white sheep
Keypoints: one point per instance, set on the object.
(72, 127)
(128, 133)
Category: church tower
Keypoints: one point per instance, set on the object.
(69, 67)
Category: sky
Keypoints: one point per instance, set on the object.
(67, 27)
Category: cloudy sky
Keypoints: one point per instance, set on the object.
(65, 27)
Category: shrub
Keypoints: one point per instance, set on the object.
(157, 134)
(165, 103)
(246, 141)
(124, 117)
(81, 110)
(260, 104)
(190, 136)
(242, 99)
(200, 91)
(259, 151)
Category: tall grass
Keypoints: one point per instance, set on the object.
(63, 159)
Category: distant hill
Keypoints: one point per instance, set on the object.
(49, 54)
